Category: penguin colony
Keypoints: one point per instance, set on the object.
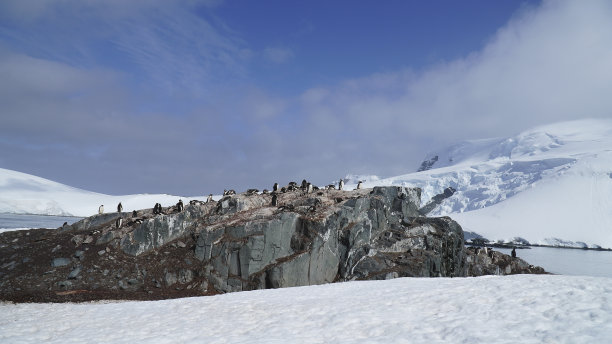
(305, 186)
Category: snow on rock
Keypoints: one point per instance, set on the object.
(509, 309)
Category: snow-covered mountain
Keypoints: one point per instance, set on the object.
(22, 193)
(553, 181)
(547, 185)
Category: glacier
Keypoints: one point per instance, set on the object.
(549, 182)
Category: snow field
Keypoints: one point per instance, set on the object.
(490, 309)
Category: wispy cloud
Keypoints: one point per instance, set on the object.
(277, 55)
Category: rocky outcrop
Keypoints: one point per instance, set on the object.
(427, 164)
(240, 242)
(437, 200)
(485, 261)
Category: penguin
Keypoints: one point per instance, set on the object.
(359, 185)
(304, 184)
(134, 214)
(265, 191)
(274, 200)
(101, 209)
(179, 206)
(275, 187)
(157, 209)
(119, 207)
(309, 188)
(252, 192)
(119, 222)
(513, 252)
(209, 199)
(341, 184)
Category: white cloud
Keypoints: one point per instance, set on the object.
(548, 64)
(277, 54)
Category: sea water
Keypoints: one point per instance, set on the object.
(10, 222)
(567, 261)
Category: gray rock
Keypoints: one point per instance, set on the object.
(106, 238)
(56, 262)
(64, 284)
(185, 276)
(170, 278)
(88, 239)
(9, 266)
(74, 273)
(95, 221)
(77, 239)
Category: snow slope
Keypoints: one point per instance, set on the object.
(492, 309)
(22, 193)
(553, 181)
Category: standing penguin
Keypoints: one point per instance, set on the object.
(274, 200)
(179, 206)
(134, 213)
(359, 185)
(513, 252)
(119, 208)
(101, 209)
(119, 222)
(341, 184)
(275, 187)
(209, 199)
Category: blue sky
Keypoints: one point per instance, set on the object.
(191, 97)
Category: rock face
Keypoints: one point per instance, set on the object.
(240, 242)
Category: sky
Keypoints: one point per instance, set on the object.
(191, 97)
